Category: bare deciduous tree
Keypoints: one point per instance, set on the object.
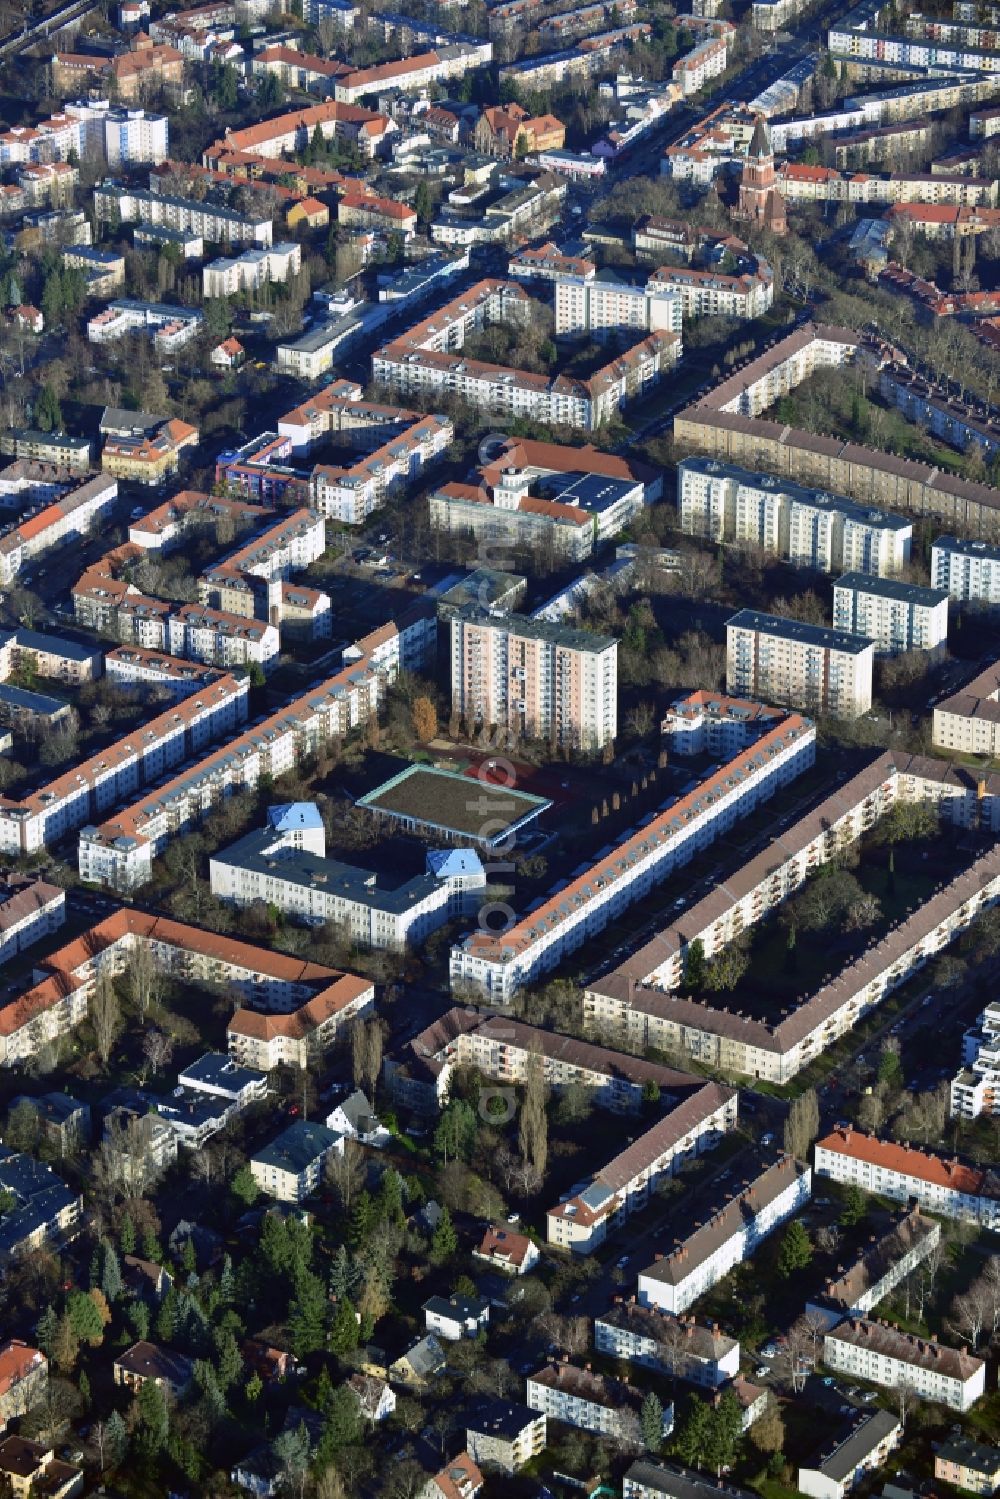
(105, 1016)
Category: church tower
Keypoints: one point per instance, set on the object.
(760, 201)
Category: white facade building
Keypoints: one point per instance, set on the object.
(592, 1402)
(976, 1088)
(968, 571)
(605, 303)
(29, 912)
(884, 1355)
(251, 270)
(672, 1282)
(863, 1450)
(277, 867)
(498, 965)
(897, 616)
(945, 1187)
(807, 666)
(678, 1347)
(807, 527)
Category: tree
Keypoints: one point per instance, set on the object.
(111, 1274)
(423, 712)
(651, 1422)
(890, 1070)
(65, 1344)
(455, 1135)
(307, 1314)
(533, 1124)
(48, 413)
(85, 1317)
(444, 1240)
(343, 1425)
(344, 1334)
(796, 1249)
(802, 1124)
(105, 1016)
(725, 1433)
(293, 1452)
(695, 967)
(768, 1431)
(244, 1188)
(143, 979)
(346, 1174)
(855, 1206)
(423, 204)
(152, 1418)
(693, 1437)
(157, 1048)
(117, 1438)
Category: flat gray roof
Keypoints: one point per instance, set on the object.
(797, 629)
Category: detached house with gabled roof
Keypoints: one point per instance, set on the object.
(505, 1250)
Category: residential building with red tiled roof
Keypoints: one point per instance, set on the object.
(946, 1186)
(24, 1375)
(507, 1250)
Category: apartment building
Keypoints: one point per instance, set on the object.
(580, 61)
(290, 1168)
(64, 981)
(504, 1050)
(679, 1347)
(498, 1432)
(171, 327)
(706, 60)
(350, 493)
(710, 722)
(880, 1267)
(968, 1464)
(415, 72)
(806, 666)
(428, 358)
(945, 1187)
(220, 638)
(29, 911)
(605, 303)
(56, 808)
(593, 1402)
(251, 270)
(48, 656)
(730, 1236)
(43, 1214)
(542, 494)
(885, 1355)
(807, 527)
(379, 912)
(24, 1376)
(156, 672)
(65, 520)
(968, 571)
(727, 424)
(120, 137)
(709, 293)
(543, 681)
(968, 722)
(975, 1090)
(287, 134)
(646, 1480)
(638, 1003)
(149, 459)
(498, 965)
(582, 1220)
(120, 852)
(303, 1037)
(863, 1450)
(132, 205)
(364, 209)
(897, 616)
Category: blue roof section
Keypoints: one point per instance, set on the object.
(295, 817)
(450, 863)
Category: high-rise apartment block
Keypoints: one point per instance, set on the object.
(606, 303)
(544, 680)
(968, 571)
(807, 527)
(810, 667)
(897, 616)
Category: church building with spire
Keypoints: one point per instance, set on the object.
(760, 201)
